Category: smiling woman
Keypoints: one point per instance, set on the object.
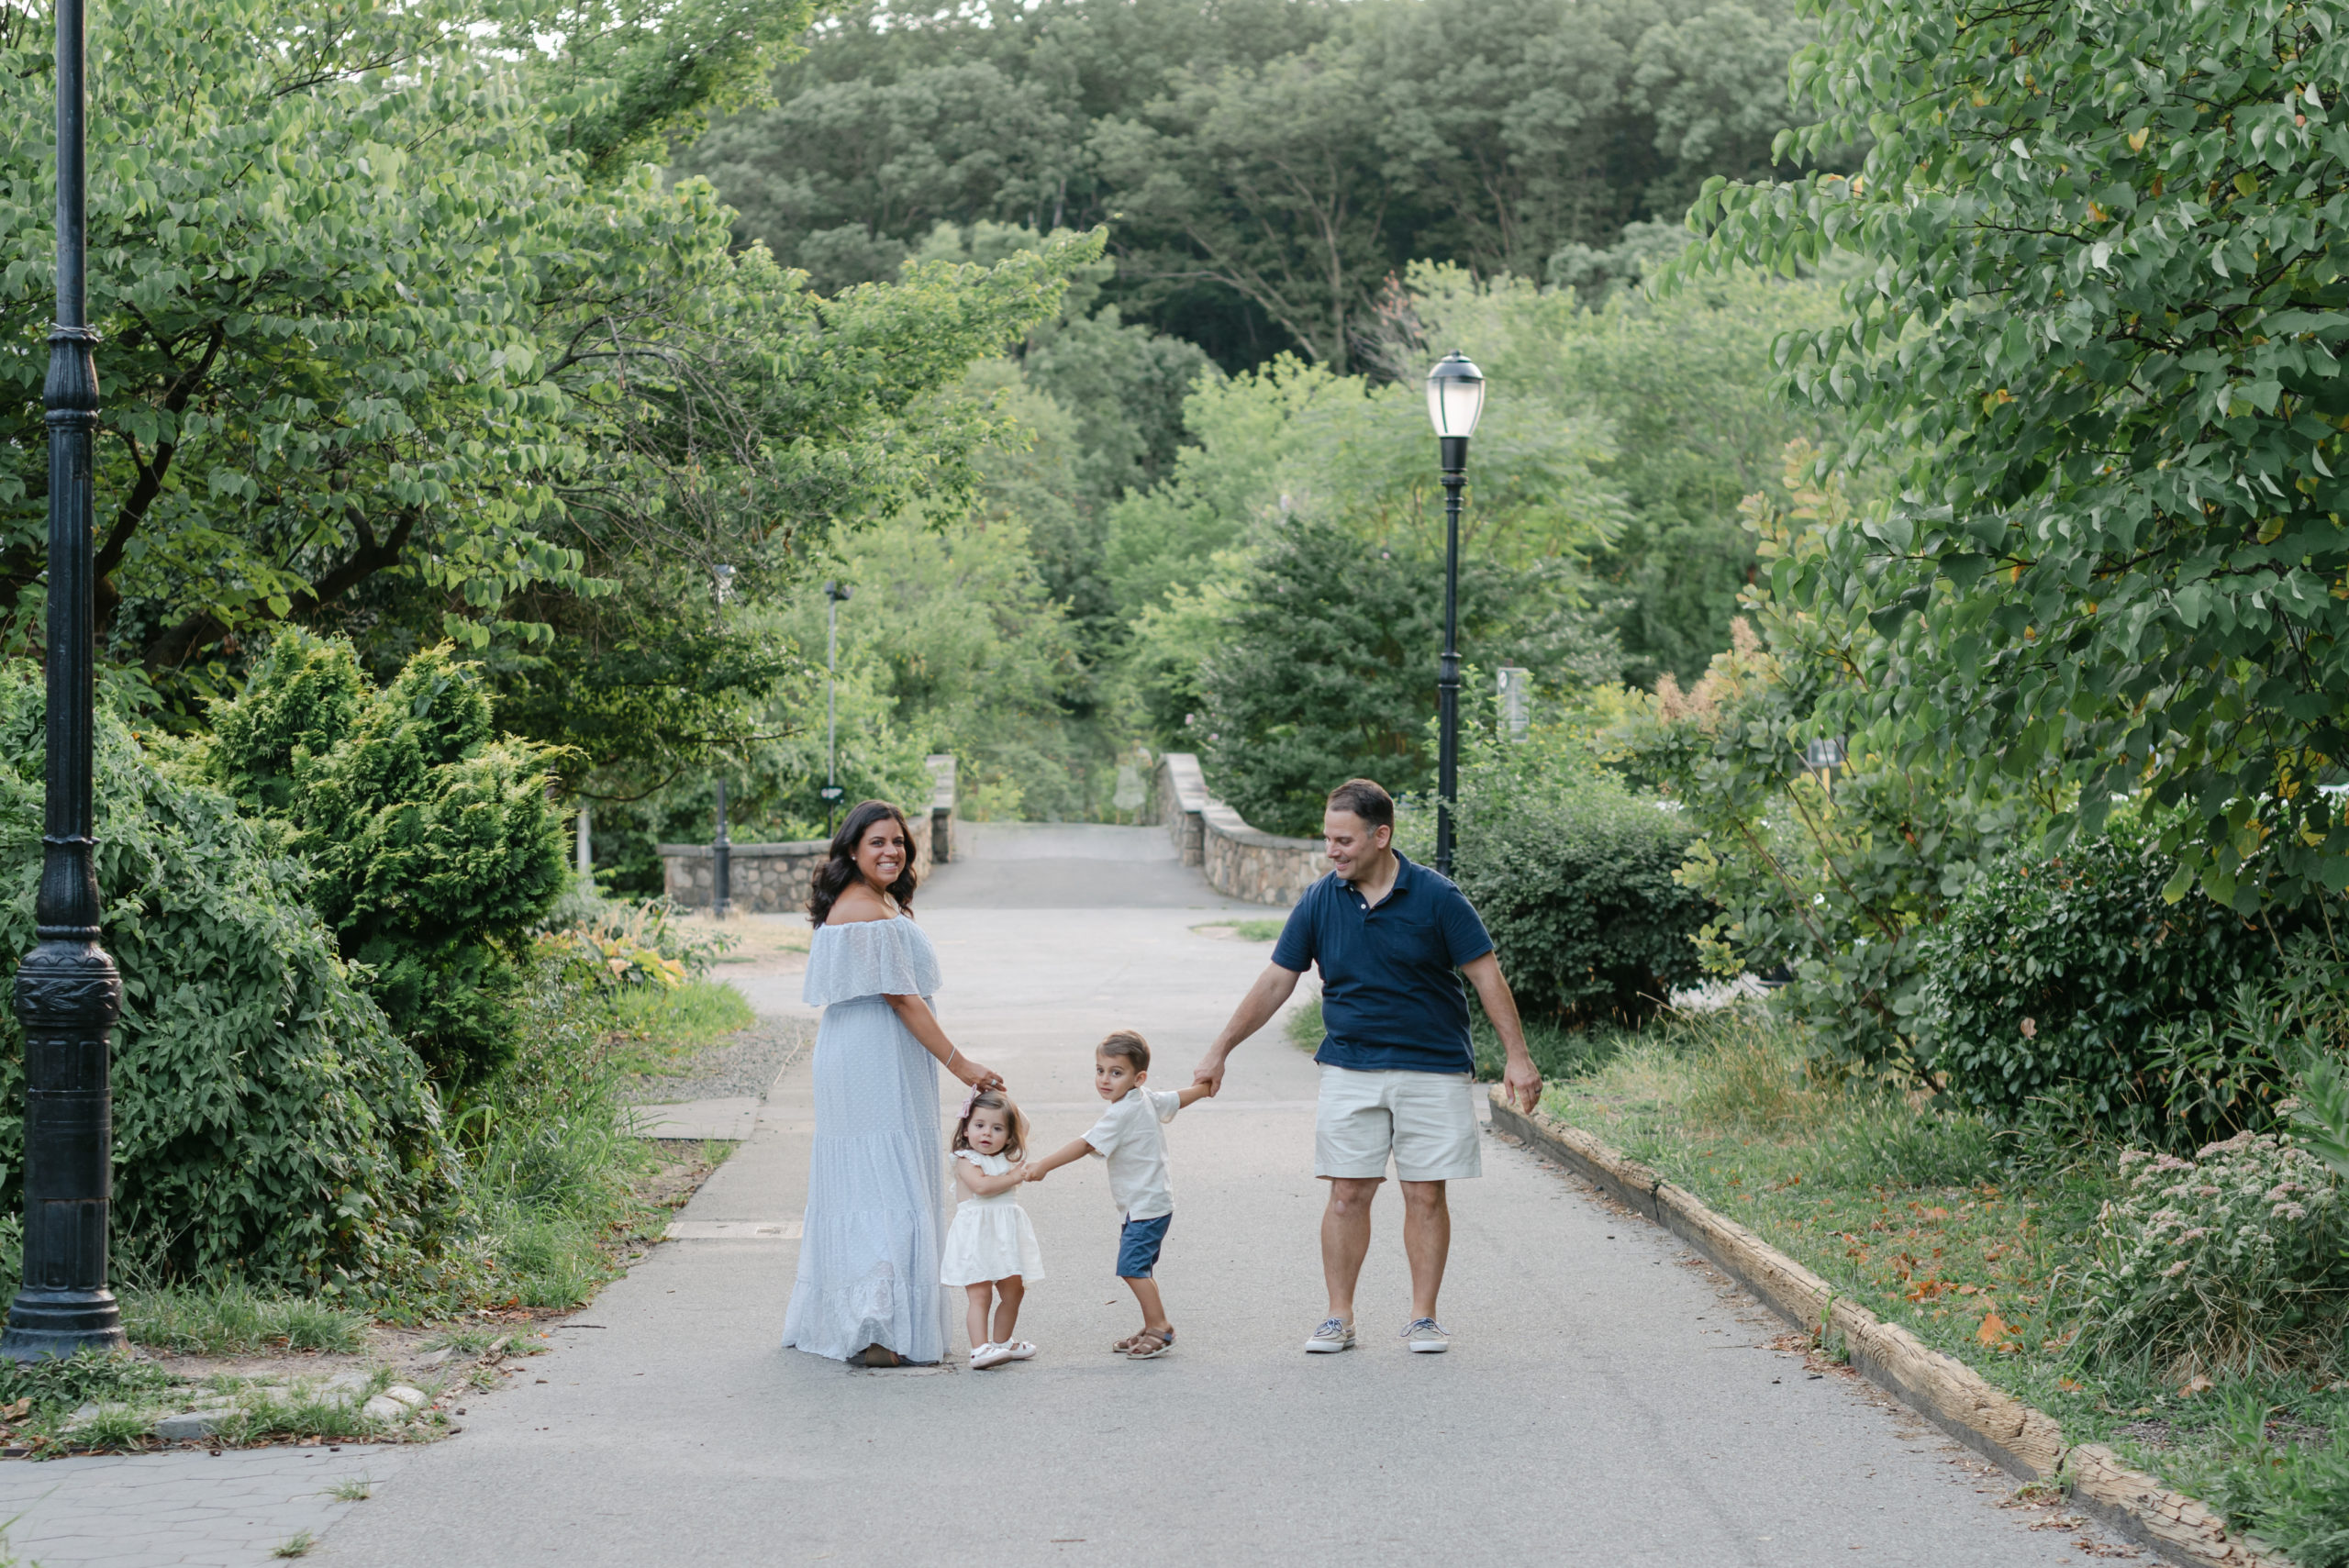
(868, 1288)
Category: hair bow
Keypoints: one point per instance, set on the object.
(968, 1101)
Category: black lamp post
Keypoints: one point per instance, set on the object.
(834, 592)
(68, 995)
(1456, 398)
(721, 851)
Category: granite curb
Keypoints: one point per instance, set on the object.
(1943, 1389)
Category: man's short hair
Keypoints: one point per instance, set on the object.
(1126, 1043)
(1366, 800)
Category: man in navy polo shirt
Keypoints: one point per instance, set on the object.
(1397, 1072)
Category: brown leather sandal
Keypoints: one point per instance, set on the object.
(1149, 1344)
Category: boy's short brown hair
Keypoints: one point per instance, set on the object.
(1128, 1045)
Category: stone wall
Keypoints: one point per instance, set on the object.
(1240, 861)
(770, 879)
(1182, 796)
(767, 878)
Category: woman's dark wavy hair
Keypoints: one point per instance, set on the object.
(838, 874)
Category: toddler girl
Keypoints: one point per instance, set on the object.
(991, 1248)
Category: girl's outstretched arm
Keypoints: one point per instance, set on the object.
(978, 1183)
(1075, 1149)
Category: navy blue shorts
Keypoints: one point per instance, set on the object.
(1138, 1246)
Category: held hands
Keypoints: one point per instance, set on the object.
(1034, 1173)
(1209, 1072)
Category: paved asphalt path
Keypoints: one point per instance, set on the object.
(1607, 1402)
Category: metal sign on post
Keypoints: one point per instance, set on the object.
(1516, 684)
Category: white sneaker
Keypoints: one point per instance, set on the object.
(1334, 1335)
(986, 1356)
(1427, 1337)
(1020, 1351)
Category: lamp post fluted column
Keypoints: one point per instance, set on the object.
(1455, 402)
(1453, 455)
(68, 995)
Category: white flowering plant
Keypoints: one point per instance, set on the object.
(2231, 1261)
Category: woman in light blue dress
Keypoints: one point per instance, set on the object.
(867, 1289)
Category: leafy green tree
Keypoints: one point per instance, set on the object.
(1266, 164)
(1324, 665)
(625, 78)
(1837, 881)
(441, 361)
(2096, 328)
(1298, 437)
(1685, 385)
(954, 620)
(432, 840)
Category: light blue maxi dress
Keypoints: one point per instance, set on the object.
(875, 1225)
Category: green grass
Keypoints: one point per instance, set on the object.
(658, 1029)
(1963, 1234)
(555, 1168)
(234, 1319)
(1246, 930)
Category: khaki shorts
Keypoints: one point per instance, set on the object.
(1426, 1121)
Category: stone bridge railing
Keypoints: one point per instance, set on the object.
(1238, 860)
(773, 878)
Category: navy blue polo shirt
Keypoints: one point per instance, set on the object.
(1391, 996)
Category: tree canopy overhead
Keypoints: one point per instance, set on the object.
(402, 338)
(2099, 332)
(1264, 165)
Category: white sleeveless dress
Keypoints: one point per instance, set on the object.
(876, 1182)
(990, 1238)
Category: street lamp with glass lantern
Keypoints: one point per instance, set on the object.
(1455, 400)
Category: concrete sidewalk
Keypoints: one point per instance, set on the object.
(1605, 1403)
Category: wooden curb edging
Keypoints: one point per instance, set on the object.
(1939, 1387)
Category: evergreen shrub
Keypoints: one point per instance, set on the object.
(435, 845)
(1573, 874)
(267, 1121)
(2072, 979)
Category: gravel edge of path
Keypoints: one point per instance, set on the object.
(745, 1062)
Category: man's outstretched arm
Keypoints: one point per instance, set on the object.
(1255, 1010)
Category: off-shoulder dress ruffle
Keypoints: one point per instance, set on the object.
(874, 1232)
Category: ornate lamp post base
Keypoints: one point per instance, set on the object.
(68, 996)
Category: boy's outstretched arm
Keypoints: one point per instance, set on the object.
(1076, 1148)
(1190, 1094)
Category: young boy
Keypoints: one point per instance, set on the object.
(1130, 1139)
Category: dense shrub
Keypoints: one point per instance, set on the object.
(433, 839)
(2231, 1261)
(266, 1119)
(2072, 978)
(1573, 874)
(1326, 669)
